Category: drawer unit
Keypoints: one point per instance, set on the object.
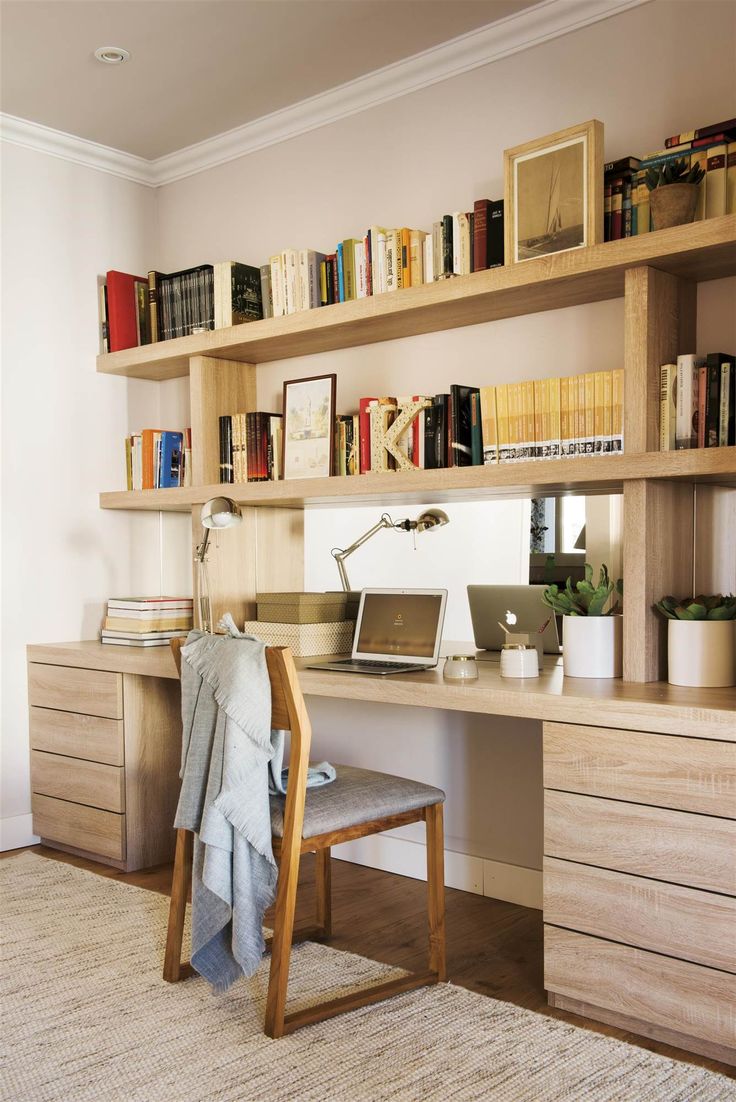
(78, 736)
(105, 754)
(675, 995)
(680, 922)
(695, 850)
(70, 689)
(85, 828)
(688, 774)
(83, 782)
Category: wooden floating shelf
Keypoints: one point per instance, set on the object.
(583, 474)
(700, 251)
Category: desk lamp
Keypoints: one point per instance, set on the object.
(218, 512)
(425, 522)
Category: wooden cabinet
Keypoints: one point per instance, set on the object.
(640, 882)
(105, 753)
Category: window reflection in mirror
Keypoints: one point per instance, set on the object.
(485, 542)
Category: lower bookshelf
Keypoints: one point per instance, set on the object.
(582, 474)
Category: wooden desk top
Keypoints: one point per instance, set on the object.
(654, 706)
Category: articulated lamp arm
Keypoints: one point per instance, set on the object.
(339, 555)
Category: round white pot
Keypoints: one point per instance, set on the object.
(592, 646)
(701, 653)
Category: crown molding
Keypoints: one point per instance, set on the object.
(56, 143)
(530, 27)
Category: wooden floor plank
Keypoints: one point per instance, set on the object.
(493, 948)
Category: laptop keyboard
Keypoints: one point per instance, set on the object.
(371, 665)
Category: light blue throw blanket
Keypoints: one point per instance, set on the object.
(227, 749)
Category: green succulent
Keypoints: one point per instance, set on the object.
(673, 172)
(584, 599)
(715, 607)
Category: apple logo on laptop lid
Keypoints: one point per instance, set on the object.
(510, 618)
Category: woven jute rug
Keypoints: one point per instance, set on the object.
(87, 1018)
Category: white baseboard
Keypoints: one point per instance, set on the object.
(510, 883)
(17, 832)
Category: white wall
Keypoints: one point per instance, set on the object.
(403, 163)
(63, 428)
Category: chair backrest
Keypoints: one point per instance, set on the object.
(288, 713)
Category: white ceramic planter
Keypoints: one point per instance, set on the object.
(701, 653)
(592, 646)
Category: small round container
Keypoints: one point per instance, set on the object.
(460, 667)
(519, 660)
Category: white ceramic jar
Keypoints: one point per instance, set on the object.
(701, 653)
(592, 646)
(460, 667)
(519, 660)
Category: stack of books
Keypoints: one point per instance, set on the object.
(146, 621)
(250, 447)
(698, 402)
(157, 459)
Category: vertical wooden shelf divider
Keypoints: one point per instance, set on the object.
(659, 322)
(266, 551)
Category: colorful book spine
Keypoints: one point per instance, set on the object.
(686, 402)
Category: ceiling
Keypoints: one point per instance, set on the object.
(200, 67)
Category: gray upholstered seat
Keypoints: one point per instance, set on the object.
(356, 796)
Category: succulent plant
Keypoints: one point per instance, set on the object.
(673, 172)
(715, 607)
(584, 599)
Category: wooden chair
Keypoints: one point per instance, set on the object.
(358, 803)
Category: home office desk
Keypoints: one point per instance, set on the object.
(640, 814)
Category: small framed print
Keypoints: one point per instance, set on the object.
(309, 426)
(553, 189)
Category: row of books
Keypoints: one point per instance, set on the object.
(157, 458)
(137, 310)
(146, 621)
(385, 260)
(698, 402)
(250, 447)
(626, 210)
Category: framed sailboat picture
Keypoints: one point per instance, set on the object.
(554, 193)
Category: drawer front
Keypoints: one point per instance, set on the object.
(85, 828)
(665, 770)
(92, 692)
(694, 850)
(697, 1001)
(666, 918)
(77, 736)
(82, 782)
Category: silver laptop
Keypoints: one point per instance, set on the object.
(519, 607)
(397, 631)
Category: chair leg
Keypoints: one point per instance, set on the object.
(323, 874)
(436, 890)
(180, 884)
(283, 930)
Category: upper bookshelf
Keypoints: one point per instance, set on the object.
(699, 251)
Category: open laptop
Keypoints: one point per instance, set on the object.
(397, 631)
(520, 607)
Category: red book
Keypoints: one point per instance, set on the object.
(702, 393)
(481, 218)
(122, 310)
(364, 420)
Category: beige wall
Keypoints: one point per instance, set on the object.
(406, 163)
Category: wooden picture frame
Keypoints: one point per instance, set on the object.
(308, 446)
(553, 193)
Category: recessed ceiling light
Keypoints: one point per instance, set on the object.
(112, 55)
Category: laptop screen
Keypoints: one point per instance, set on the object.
(401, 624)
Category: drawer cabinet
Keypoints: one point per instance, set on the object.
(105, 753)
(640, 882)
